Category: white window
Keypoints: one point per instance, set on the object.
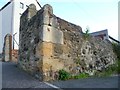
(21, 5)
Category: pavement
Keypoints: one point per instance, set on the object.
(12, 77)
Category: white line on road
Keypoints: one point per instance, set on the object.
(53, 86)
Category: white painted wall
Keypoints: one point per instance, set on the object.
(0, 32)
(10, 19)
(17, 13)
(119, 34)
(119, 20)
(6, 22)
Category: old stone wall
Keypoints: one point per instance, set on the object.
(14, 55)
(7, 54)
(49, 44)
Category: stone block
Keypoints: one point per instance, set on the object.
(51, 34)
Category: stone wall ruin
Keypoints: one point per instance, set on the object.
(49, 44)
(7, 54)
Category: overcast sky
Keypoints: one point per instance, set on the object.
(96, 14)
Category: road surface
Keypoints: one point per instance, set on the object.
(12, 77)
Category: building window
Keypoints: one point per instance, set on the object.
(21, 5)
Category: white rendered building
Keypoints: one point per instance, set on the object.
(119, 34)
(10, 19)
(103, 34)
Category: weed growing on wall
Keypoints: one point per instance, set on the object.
(63, 75)
(81, 75)
(86, 35)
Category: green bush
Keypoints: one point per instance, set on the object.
(119, 66)
(63, 75)
(116, 49)
(81, 75)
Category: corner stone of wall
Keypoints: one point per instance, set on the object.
(49, 44)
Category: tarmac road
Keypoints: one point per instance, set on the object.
(12, 77)
(104, 82)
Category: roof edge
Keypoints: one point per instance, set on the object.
(5, 5)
